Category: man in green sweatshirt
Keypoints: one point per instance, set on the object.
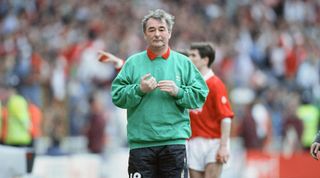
(157, 87)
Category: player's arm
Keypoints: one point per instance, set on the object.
(223, 151)
(315, 147)
(107, 57)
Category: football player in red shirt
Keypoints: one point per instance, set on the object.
(208, 147)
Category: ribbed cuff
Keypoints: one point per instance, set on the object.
(139, 92)
(180, 94)
(119, 65)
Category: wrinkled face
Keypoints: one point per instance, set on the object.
(196, 59)
(157, 34)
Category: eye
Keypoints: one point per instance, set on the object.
(151, 29)
(161, 29)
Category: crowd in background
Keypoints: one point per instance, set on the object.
(267, 53)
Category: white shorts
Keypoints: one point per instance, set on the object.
(201, 151)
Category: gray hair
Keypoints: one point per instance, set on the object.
(158, 14)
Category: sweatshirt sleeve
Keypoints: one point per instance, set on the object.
(192, 94)
(125, 93)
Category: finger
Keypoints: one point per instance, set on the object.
(317, 148)
(220, 160)
(312, 149)
(152, 83)
(102, 56)
(165, 82)
(153, 79)
(101, 52)
(314, 154)
(226, 158)
(164, 88)
(314, 157)
(145, 77)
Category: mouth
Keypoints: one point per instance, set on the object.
(157, 40)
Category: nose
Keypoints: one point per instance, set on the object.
(157, 33)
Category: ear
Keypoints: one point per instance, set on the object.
(206, 60)
(169, 34)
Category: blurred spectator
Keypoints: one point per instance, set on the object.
(308, 75)
(89, 76)
(27, 69)
(16, 121)
(33, 115)
(256, 127)
(36, 121)
(95, 127)
(292, 127)
(56, 136)
(310, 116)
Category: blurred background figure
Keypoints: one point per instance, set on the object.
(256, 127)
(292, 127)
(18, 128)
(56, 135)
(95, 130)
(16, 120)
(309, 114)
(36, 121)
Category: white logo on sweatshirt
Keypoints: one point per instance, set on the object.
(135, 175)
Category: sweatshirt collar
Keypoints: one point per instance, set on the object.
(152, 56)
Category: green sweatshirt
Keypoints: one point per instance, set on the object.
(156, 118)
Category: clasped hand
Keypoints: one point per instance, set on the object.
(148, 83)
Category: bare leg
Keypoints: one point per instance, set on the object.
(213, 170)
(196, 174)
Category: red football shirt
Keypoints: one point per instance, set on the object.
(206, 121)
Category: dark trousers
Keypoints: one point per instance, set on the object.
(167, 161)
